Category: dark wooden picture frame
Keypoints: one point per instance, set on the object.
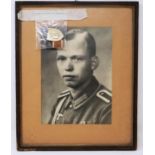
(20, 89)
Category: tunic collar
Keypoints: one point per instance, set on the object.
(86, 94)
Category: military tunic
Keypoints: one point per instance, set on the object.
(93, 106)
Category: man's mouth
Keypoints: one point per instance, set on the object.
(69, 77)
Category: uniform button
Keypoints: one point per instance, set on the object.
(70, 105)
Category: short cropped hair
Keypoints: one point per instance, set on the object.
(91, 44)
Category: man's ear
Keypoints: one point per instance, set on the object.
(94, 62)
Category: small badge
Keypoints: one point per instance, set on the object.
(54, 34)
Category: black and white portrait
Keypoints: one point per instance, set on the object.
(76, 80)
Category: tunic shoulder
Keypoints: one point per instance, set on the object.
(104, 94)
(105, 112)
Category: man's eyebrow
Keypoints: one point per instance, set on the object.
(78, 56)
(60, 56)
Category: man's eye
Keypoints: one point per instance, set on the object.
(77, 59)
(61, 58)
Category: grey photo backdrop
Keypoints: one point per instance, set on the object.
(52, 84)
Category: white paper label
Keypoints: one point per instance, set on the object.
(54, 14)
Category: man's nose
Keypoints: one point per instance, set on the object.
(68, 65)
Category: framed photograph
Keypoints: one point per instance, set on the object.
(76, 75)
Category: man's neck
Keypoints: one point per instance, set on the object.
(78, 91)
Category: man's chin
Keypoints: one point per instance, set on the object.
(71, 84)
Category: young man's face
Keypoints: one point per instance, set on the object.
(74, 62)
